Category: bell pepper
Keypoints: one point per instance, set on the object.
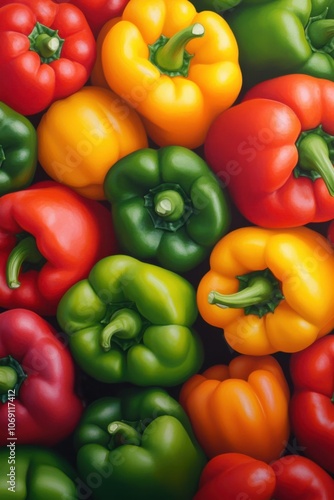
(215, 5)
(312, 402)
(98, 12)
(48, 52)
(178, 68)
(18, 150)
(241, 407)
(283, 37)
(273, 151)
(82, 136)
(167, 206)
(50, 237)
(233, 476)
(141, 446)
(269, 289)
(130, 321)
(35, 472)
(38, 404)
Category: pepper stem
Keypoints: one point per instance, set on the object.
(169, 204)
(314, 156)
(321, 32)
(2, 156)
(259, 290)
(170, 56)
(25, 251)
(46, 45)
(124, 324)
(8, 379)
(121, 434)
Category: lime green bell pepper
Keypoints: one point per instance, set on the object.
(131, 321)
(140, 446)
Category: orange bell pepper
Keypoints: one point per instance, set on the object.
(241, 407)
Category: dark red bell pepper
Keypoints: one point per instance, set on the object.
(38, 404)
(312, 402)
(273, 151)
(50, 238)
(98, 12)
(47, 53)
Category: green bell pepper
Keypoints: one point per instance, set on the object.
(283, 37)
(18, 150)
(36, 473)
(138, 447)
(131, 321)
(168, 207)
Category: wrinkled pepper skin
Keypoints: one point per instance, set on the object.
(260, 286)
(18, 150)
(283, 37)
(142, 446)
(82, 136)
(312, 402)
(274, 152)
(36, 381)
(241, 407)
(48, 53)
(37, 473)
(178, 68)
(167, 206)
(131, 321)
(50, 237)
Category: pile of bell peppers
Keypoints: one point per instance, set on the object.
(167, 250)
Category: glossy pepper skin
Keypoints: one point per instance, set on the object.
(36, 381)
(141, 444)
(274, 152)
(131, 321)
(234, 475)
(178, 68)
(81, 137)
(48, 53)
(312, 402)
(50, 237)
(35, 472)
(18, 150)
(283, 37)
(241, 407)
(167, 206)
(269, 289)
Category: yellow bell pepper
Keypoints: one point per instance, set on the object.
(178, 68)
(82, 136)
(270, 290)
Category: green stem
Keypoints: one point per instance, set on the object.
(170, 56)
(124, 324)
(122, 434)
(46, 45)
(321, 32)
(25, 251)
(8, 379)
(169, 204)
(2, 156)
(314, 156)
(259, 290)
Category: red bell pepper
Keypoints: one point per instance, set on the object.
(50, 238)
(98, 12)
(235, 476)
(273, 151)
(312, 402)
(38, 404)
(47, 53)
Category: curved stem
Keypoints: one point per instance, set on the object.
(171, 55)
(125, 324)
(321, 32)
(25, 251)
(8, 379)
(314, 156)
(259, 290)
(169, 204)
(121, 434)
